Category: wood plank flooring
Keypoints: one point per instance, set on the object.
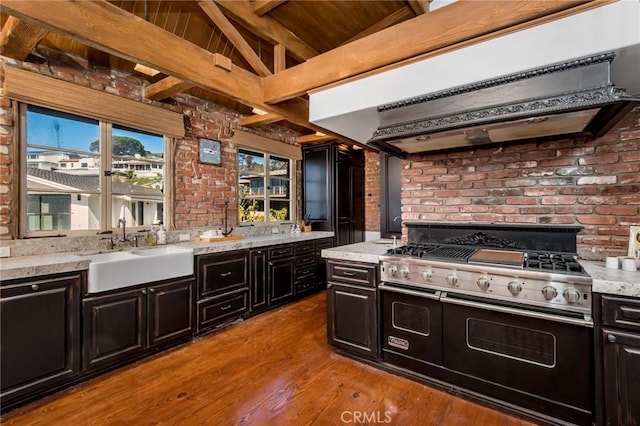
(273, 369)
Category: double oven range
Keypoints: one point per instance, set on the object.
(502, 312)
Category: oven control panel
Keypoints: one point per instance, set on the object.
(559, 291)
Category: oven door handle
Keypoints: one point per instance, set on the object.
(424, 295)
(586, 322)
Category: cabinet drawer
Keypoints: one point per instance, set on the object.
(304, 286)
(220, 274)
(324, 244)
(305, 259)
(303, 248)
(353, 273)
(620, 312)
(212, 312)
(304, 272)
(280, 252)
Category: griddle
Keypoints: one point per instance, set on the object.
(511, 259)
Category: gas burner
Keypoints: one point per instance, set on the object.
(413, 249)
(556, 262)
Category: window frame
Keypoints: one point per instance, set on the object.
(105, 129)
(267, 180)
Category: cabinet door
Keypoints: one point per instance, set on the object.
(222, 273)
(280, 281)
(317, 186)
(114, 327)
(321, 263)
(622, 373)
(40, 334)
(258, 291)
(170, 311)
(352, 319)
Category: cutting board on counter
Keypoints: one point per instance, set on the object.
(219, 240)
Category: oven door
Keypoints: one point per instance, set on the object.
(411, 323)
(537, 353)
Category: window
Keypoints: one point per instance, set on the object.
(83, 174)
(264, 187)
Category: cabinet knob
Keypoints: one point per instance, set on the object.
(35, 287)
(152, 290)
(611, 338)
(144, 291)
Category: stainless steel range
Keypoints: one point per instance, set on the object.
(500, 310)
(538, 278)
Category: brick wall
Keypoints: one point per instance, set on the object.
(372, 191)
(200, 189)
(590, 182)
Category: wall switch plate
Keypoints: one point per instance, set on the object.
(5, 251)
(185, 237)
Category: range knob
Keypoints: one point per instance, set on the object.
(427, 274)
(452, 279)
(515, 287)
(393, 270)
(483, 282)
(405, 273)
(549, 292)
(571, 295)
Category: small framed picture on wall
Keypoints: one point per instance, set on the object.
(209, 151)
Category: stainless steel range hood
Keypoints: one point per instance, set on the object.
(570, 98)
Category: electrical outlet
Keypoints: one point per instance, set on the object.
(185, 237)
(275, 230)
(5, 251)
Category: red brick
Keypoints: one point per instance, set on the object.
(629, 145)
(616, 210)
(575, 152)
(537, 192)
(596, 220)
(597, 200)
(599, 159)
(501, 174)
(536, 210)
(573, 210)
(521, 200)
(557, 219)
(504, 209)
(521, 219)
(634, 134)
(559, 200)
(557, 162)
(618, 168)
(582, 190)
(510, 183)
(457, 201)
(488, 217)
(522, 165)
(631, 156)
(613, 230)
(629, 199)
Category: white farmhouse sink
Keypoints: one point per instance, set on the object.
(110, 271)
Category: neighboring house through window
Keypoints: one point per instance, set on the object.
(259, 171)
(83, 174)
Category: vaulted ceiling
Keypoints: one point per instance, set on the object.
(265, 54)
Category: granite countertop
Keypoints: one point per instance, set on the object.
(608, 281)
(612, 281)
(367, 252)
(30, 266)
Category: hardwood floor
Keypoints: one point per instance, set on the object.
(274, 369)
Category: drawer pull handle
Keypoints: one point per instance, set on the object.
(611, 338)
(349, 274)
(225, 274)
(35, 287)
(224, 308)
(281, 252)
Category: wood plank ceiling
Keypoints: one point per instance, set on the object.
(264, 54)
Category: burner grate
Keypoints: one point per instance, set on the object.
(452, 253)
(557, 262)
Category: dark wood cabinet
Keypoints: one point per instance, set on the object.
(352, 304)
(321, 262)
(122, 325)
(390, 190)
(333, 191)
(258, 290)
(223, 288)
(619, 337)
(39, 334)
(280, 280)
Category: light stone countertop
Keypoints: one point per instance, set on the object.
(609, 281)
(612, 281)
(367, 252)
(30, 266)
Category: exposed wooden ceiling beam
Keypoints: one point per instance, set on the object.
(396, 17)
(101, 25)
(19, 38)
(455, 25)
(267, 28)
(419, 7)
(259, 120)
(262, 7)
(166, 88)
(279, 58)
(215, 14)
(316, 137)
